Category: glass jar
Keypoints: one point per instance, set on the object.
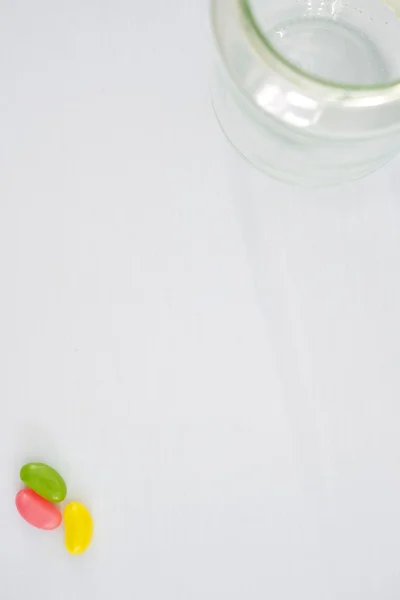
(309, 90)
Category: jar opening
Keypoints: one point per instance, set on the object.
(352, 45)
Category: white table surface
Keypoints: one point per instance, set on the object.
(209, 358)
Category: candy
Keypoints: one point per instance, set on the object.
(78, 528)
(36, 510)
(44, 480)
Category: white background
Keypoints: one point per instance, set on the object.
(209, 358)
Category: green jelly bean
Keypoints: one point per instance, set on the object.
(44, 480)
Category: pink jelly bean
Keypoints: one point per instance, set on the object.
(36, 510)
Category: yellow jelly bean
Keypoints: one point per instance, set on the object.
(78, 528)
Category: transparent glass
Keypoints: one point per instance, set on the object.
(309, 90)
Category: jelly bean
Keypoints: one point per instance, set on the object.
(44, 480)
(78, 528)
(36, 510)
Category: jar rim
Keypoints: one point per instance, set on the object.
(253, 30)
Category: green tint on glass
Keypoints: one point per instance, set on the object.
(44, 480)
